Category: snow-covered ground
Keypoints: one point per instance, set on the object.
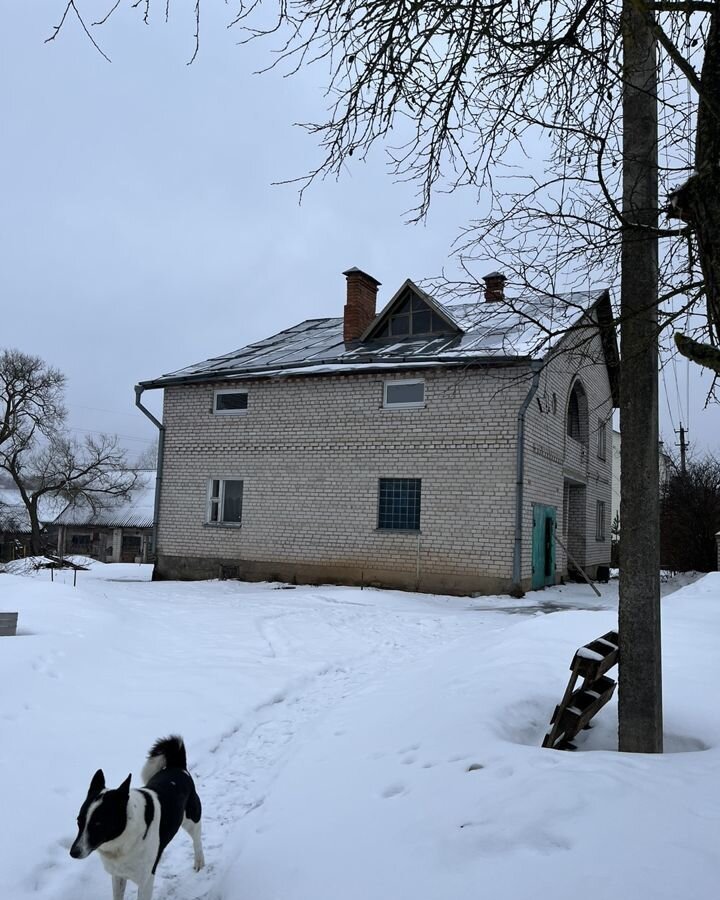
(353, 744)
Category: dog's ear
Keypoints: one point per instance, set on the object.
(125, 786)
(97, 784)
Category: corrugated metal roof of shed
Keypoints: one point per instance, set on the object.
(137, 512)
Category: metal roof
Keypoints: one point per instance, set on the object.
(137, 512)
(14, 516)
(14, 519)
(511, 330)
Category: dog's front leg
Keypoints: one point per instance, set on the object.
(118, 885)
(146, 888)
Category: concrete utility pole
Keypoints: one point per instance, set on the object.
(640, 681)
(683, 445)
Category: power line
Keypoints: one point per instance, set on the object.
(677, 388)
(667, 397)
(115, 412)
(126, 437)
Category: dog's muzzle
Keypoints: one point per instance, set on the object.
(77, 851)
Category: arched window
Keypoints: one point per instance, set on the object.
(577, 413)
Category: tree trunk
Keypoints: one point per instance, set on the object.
(35, 535)
(640, 682)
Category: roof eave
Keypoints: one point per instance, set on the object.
(269, 371)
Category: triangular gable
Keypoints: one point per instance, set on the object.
(409, 313)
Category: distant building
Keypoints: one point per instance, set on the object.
(121, 532)
(15, 529)
(432, 446)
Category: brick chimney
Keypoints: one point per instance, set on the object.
(360, 304)
(494, 287)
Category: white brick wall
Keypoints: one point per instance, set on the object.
(311, 449)
(552, 455)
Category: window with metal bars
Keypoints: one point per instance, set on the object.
(399, 504)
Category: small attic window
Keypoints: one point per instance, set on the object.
(412, 316)
(230, 403)
(405, 394)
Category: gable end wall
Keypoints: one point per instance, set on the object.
(552, 456)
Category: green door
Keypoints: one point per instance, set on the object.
(543, 545)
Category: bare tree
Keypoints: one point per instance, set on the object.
(690, 516)
(469, 94)
(147, 458)
(31, 397)
(93, 472)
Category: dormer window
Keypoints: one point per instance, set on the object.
(411, 317)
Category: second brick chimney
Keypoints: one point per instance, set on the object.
(360, 304)
(494, 286)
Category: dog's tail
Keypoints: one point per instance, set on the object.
(165, 753)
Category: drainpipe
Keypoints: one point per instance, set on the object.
(520, 479)
(160, 457)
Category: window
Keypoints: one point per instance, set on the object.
(601, 439)
(577, 414)
(80, 540)
(412, 316)
(399, 504)
(230, 403)
(600, 521)
(225, 497)
(404, 394)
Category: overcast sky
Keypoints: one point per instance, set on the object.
(140, 231)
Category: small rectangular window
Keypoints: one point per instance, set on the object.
(601, 439)
(399, 504)
(600, 521)
(225, 497)
(230, 403)
(404, 394)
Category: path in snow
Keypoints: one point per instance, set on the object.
(247, 672)
(238, 772)
(327, 699)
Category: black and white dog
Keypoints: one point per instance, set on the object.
(131, 828)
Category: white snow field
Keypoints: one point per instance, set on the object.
(354, 745)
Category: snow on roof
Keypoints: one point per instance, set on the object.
(14, 518)
(137, 512)
(14, 515)
(512, 329)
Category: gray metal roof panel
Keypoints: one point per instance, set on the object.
(528, 326)
(135, 512)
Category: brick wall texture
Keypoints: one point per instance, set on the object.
(310, 451)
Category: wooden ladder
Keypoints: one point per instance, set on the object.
(579, 705)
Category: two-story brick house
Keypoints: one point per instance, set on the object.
(440, 447)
